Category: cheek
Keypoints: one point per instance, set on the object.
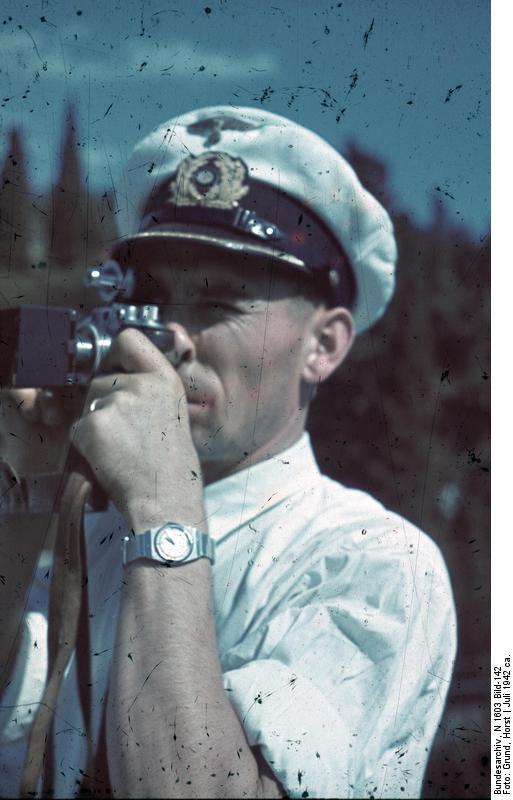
(276, 369)
(230, 353)
(253, 358)
(283, 348)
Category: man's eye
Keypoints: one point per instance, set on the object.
(218, 307)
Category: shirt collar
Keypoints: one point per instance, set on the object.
(238, 498)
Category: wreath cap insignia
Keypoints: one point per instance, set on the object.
(210, 180)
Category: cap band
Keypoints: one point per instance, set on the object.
(212, 195)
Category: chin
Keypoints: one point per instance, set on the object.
(215, 451)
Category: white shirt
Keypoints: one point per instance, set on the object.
(335, 623)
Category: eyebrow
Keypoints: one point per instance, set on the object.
(221, 290)
(222, 286)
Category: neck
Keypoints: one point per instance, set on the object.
(216, 470)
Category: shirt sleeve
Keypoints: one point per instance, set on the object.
(343, 687)
(20, 701)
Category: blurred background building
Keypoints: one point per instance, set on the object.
(407, 417)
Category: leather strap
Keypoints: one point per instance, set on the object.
(64, 614)
(33, 494)
(42, 493)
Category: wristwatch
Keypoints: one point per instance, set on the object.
(170, 544)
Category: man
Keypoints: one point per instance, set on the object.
(304, 647)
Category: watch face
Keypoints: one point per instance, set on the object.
(173, 544)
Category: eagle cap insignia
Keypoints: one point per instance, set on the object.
(210, 180)
(211, 128)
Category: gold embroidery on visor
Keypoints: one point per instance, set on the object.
(211, 180)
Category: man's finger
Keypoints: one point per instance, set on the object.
(104, 386)
(58, 406)
(26, 402)
(132, 351)
(51, 411)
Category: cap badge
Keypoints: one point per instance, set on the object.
(212, 128)
(211, 180)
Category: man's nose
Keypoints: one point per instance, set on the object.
(184, 347)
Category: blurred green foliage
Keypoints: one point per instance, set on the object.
(406, 417)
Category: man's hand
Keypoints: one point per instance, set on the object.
(137, 439)
(34, 438)
(34, 427)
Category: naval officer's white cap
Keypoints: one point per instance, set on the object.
(248, 180)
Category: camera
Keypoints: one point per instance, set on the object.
(51, 346)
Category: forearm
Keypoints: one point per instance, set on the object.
(171, 730)
(22, 538)
(30, 448)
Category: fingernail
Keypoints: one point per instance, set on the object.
(52, 417)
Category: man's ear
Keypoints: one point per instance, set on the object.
(331, 338)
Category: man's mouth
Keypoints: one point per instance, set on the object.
(196, 395)
(197, 401)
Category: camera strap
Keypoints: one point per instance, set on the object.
(69, 585)
(33, 494)
(41, 493)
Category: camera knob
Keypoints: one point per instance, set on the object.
(110, 281)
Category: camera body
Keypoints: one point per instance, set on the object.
(50, 346)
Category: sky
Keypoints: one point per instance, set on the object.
(405, 81)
